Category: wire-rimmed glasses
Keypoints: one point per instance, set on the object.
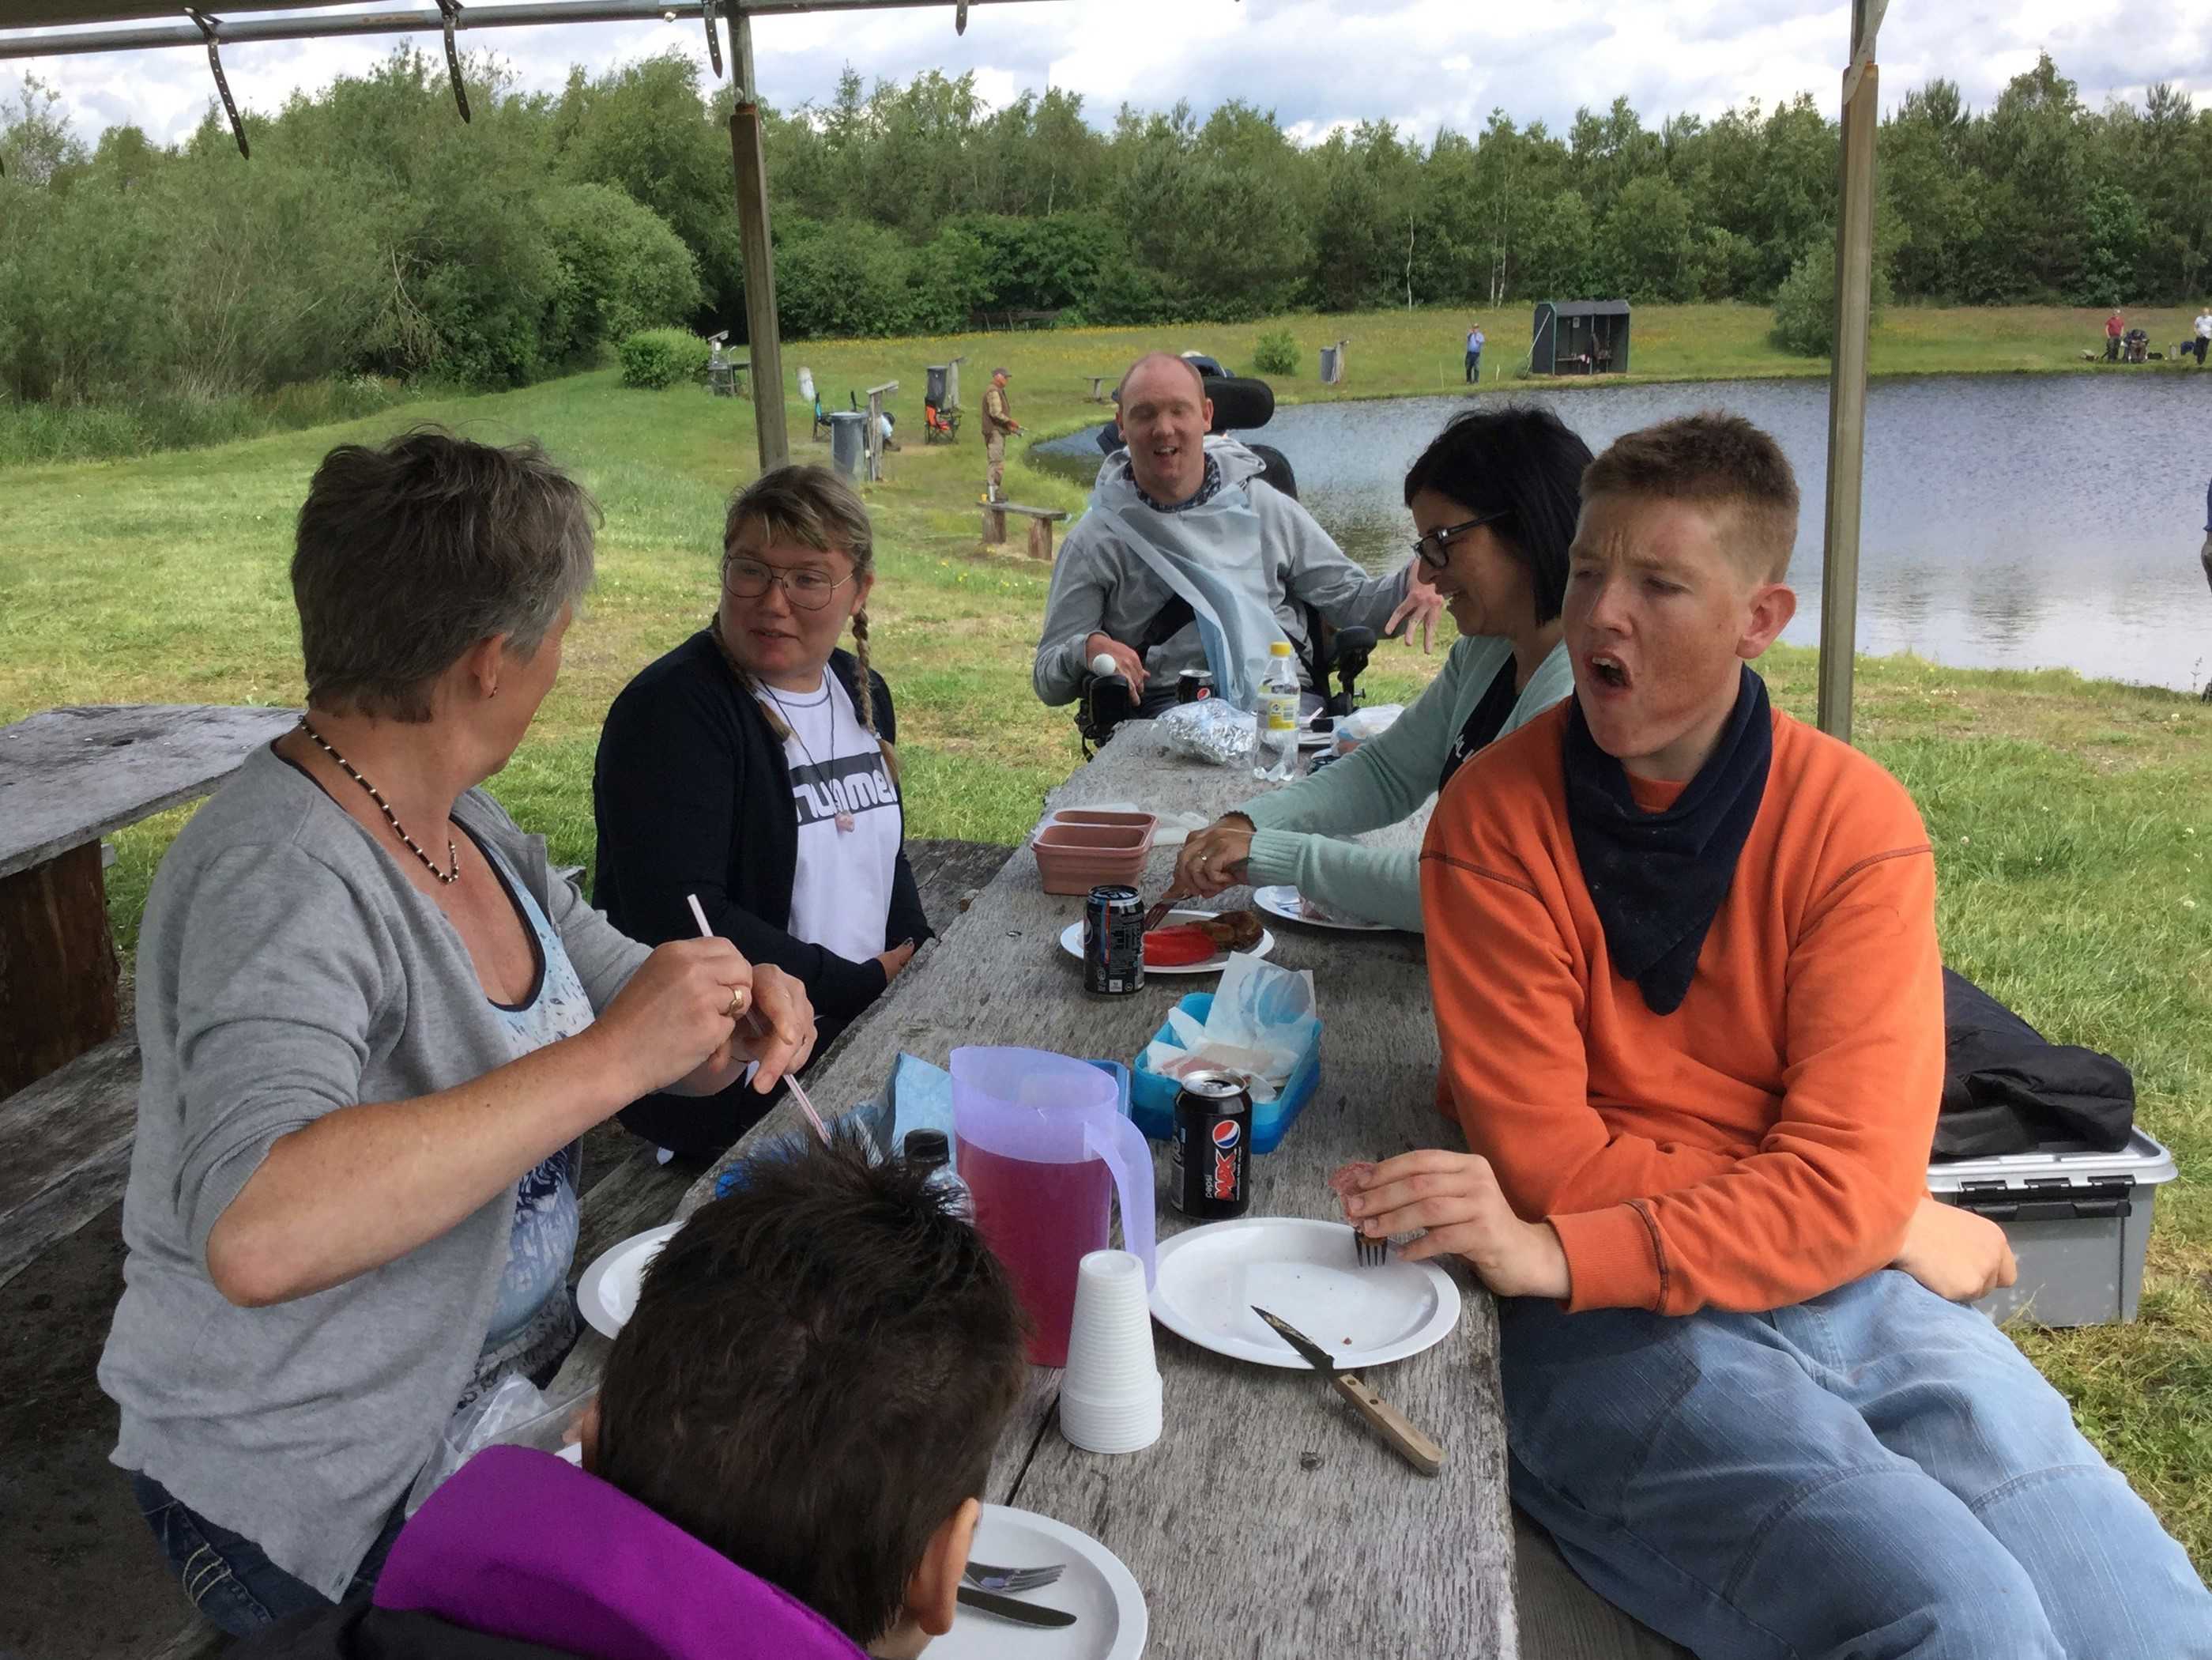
(808, 589)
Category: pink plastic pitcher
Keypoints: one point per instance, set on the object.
(1042, 1151)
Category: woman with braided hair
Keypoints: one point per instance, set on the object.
(753, 766)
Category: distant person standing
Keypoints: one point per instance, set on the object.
(2203, 333)
(1474, 355)
(2113, 329)
(998, 422)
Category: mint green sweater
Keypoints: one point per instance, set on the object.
(1384, 780)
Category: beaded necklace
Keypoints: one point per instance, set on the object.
(453, 853)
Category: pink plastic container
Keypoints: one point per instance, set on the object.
(1080, 848)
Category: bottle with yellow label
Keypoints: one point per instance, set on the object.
(1276, 757)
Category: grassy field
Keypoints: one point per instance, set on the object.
(2072, 818)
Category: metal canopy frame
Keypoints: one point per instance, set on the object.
(38, 28)
(41, 28)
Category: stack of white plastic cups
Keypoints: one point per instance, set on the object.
(1109, 1394)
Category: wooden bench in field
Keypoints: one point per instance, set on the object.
(1042, 519)
(67, 778)
(1097, 388)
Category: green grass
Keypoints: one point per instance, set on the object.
(2072, 818)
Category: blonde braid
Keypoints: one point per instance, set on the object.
(866, 700)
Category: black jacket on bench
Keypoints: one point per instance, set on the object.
(692, 793)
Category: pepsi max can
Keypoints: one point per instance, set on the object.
(1212, 1148)
(1114, 940)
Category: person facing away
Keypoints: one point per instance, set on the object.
(376, 1026)
(783, 1462)
(1686, 986)
(1493, 499)
(2203, 333)
(999, 423)
(754, 767)
(1177, 515)
(1475, 354)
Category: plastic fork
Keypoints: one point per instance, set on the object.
(984, 1577)
(1369, 1253)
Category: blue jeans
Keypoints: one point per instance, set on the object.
(1876, 1474)
(230, 1578)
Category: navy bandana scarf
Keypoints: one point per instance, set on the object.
(1657, 878)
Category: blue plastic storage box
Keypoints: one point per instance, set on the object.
(1151, 1097)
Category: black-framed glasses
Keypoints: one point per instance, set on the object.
(1430, 550)
(809, 590)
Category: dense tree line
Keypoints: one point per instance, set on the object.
(373, 232)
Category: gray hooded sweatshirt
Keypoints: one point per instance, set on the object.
(1098, 586)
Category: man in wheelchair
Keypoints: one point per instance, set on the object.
(1188, 558)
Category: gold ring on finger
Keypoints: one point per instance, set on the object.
(737, 1002)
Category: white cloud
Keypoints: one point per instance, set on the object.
(1320, 64)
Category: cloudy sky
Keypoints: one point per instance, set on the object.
(1316, 63)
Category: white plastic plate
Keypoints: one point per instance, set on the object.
(1284, 902)
(1070, 941)
(1304, 1271)
(1095, 1587)
(607, 1294)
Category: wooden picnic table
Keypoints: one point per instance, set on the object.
(67, 778)
(1266, 1518)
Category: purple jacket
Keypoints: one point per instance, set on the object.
(524, 1546)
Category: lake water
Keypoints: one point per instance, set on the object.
(2009, 522)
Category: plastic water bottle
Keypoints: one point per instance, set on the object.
(1277, 757)
(929, 1150)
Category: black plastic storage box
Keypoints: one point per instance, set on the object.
(2078, 1221)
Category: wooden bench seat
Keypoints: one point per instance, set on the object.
(65, 1149)
(1042, 519)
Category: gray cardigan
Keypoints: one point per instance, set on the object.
(286, 968)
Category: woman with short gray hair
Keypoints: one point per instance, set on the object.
(375, 1025)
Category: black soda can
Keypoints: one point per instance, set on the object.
(1212, 1147)
(1192, 685)
(1114, 940)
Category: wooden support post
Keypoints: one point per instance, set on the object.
(1041, 540)
(873, 449)
(751, 163)
(994, 527)
(1847, 382)
(58, 972)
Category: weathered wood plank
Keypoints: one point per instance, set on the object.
(65, 1150)
(1224, 1512)
(951, 873)
(71, 776)
(1563, 1619)
(58, 973)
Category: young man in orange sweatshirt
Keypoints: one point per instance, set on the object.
(1683, 952)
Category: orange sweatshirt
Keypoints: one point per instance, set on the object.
(1768, 1140)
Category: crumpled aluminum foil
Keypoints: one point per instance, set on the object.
(1212, 729)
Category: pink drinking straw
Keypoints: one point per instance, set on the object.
(752, 1018)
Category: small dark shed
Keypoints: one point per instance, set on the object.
(1580, 337)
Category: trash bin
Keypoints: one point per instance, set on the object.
(848, 437)
(936, 394)
(1328, 365)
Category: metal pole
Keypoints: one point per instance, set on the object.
(1847, 381)
(751, 166)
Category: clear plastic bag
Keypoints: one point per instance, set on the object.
(1356, 727)
(514, 1412)
(1212, 729)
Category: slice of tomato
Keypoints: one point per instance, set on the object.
(1177, 947)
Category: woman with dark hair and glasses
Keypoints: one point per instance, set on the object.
(753, 766)
(1494, 499)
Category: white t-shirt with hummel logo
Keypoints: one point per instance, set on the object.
(840, 892)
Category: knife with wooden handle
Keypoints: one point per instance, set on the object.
(1410, 1444)
(1415, 1448)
